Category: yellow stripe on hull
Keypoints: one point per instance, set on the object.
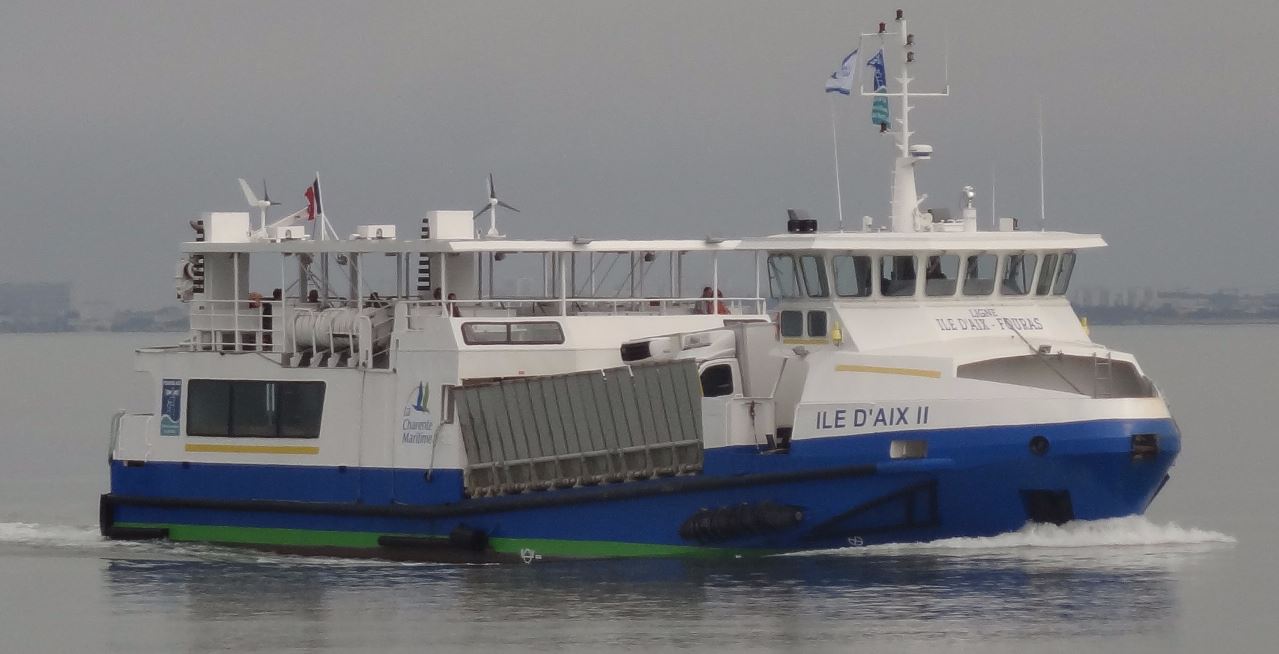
(252, 449)
(881, 370)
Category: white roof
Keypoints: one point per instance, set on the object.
(925, 241)
(878, 241)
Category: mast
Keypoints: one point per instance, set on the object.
(905, 198)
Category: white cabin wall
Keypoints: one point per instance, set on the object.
(885, 324)
(339, 441)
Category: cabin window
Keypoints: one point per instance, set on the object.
(941, 274)
(717, 380)
(979, 274)
(897, 274)
(783, 278)
(254, 409)
(512, 333)
(1045, 283)
(852, 275)
(817, 324)
(1019, 270)
(792, 323)
(814, 270)
(1063, 277)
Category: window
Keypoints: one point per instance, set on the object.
(1019, 269)
(717, 380)
(979, 274)
(783, 279)
(897, 274)
(814, 270)
(1063, 277)
(852, 275)
(817, 324)
(254, 409)
(1046, 271)
(792, 324)
(512, 333)
(941, 275)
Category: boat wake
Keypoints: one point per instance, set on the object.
(31, 533)
(1137, 532)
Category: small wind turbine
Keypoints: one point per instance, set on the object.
(254, 202)
(491, 209)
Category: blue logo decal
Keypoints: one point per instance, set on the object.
(171, 407)
(418, 427)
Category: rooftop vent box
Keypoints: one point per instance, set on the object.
(375, 231)
(290, 233)
(226, 226)
(455, 225)
(1008, 224)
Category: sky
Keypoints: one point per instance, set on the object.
(119, 122)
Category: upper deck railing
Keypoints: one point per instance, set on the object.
(418, 310)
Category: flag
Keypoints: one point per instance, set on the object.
(841, 81)
(879, 106)
(313, 206)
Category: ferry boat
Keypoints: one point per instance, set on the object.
(471, 396)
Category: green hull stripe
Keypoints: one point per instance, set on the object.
(268, 536)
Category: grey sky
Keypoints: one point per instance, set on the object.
(121, 121)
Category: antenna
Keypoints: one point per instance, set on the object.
(994, 217)
(1043, 218)
(491, 210)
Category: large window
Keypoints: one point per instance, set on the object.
(979, 274)
(941, 275)
(898, 276)
(852, 275)
(512, 333)
(1019, 270)
(1046, 271)
(814, 270)
(1063, 277)
(783, 278)
(254, 409)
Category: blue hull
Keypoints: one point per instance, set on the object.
(824, 493)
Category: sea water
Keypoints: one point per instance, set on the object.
(1196, 573)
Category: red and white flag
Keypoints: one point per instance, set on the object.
(313, 206)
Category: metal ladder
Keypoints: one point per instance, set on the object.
(1103, 381)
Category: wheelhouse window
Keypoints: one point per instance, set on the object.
(941, 275)
(979, 274)
(852, 275)
(783, 277)
(792, 324)
(1063, 276)
(1019, 270)
(814, 270)
(897, 274)
(817, 324)
(1046, 272)
(254, 409)
(512, 333)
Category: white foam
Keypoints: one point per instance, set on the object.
(31, 533)
(1127, 532)
(1112, 532)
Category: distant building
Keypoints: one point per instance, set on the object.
(40, 306)
(35, 301)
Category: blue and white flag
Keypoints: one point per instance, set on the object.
(879, 106)
(841, 81)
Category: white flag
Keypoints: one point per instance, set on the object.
(841, 81)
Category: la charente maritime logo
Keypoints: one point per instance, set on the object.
(418, 427)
